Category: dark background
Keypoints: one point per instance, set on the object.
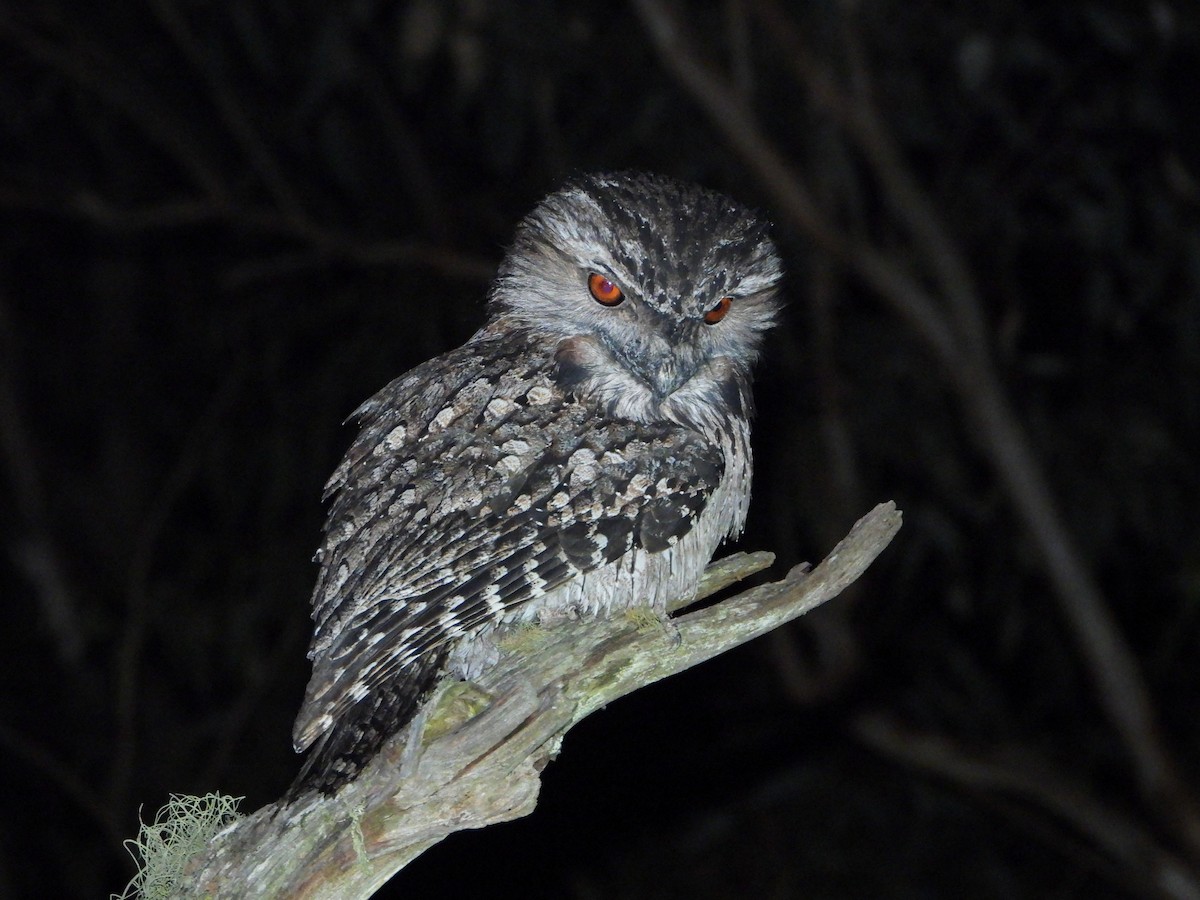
(222, 226)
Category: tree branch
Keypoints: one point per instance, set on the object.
(477, 768)
(1155, 869)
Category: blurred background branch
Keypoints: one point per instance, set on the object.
(952, 322)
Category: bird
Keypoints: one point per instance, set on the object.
(584, 453)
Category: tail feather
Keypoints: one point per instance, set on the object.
(342, 752)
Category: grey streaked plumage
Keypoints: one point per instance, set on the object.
(572, 456)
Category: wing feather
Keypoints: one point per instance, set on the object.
(458, 504)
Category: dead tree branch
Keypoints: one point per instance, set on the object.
(478, 768)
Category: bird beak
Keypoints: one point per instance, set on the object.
(666, 377)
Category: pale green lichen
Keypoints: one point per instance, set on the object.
(357, 837)
(645, 619)
(521, 638)
(180, 830)
(459, 702)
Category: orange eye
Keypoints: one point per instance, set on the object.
(717, 313)
(604, 290)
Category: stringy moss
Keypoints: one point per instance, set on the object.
(181, 829)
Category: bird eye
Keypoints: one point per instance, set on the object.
(717, 313)
(605, 292)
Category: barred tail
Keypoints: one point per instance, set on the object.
(342, 752)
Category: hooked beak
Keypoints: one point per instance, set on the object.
(661, 364)
(665, 377)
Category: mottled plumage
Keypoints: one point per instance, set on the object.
(573, 456)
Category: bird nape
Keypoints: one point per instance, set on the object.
(598, 425)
